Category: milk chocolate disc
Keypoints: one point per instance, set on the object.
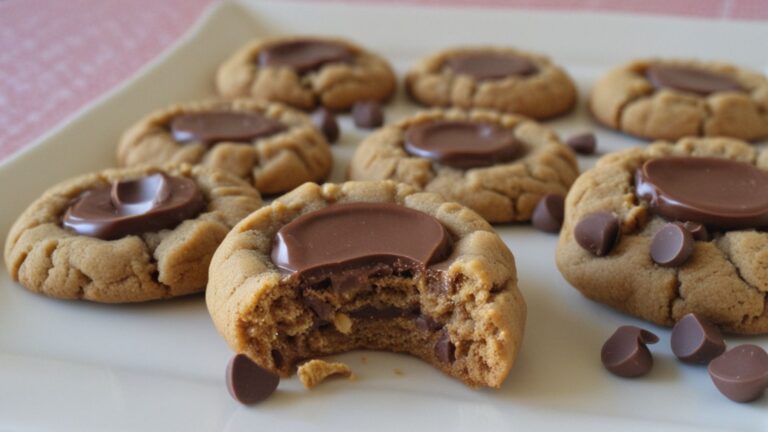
(463, 144)
(352, 235)
(218, 126)
(718, 193)
(691, 80)
(488, 66)
(304, 55)
(147, 204)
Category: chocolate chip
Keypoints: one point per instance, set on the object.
(549, 212)
(696, 340)
(625, 354)
(444, 348)
(247, 382)
(583, 143)
(425, 322)
(325, 121)
(741, 374)
(672, 246)
(367, 115)
(598, 232)
(322, 309)
(385, 312)
(697, 230)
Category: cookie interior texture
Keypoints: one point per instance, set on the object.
(723, 280)
(631, 100)
(465, 318)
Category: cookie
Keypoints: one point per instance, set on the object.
(306, 72)
(498, 165)
(126, 235)
(368, 265)
(670, 229)
(671, 99)
(501, 79)
(274, 147)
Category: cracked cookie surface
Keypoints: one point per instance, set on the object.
(475, 306)
(725, 279)
(625, 99)
(503, 192)
(335, 85)
(49, 259)
(275, 163)
(548, 92)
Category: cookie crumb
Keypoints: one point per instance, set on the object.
(314, 372)
(398, 372)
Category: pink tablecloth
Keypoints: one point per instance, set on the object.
(57, 55)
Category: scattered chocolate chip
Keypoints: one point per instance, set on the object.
(325, 121)
(672, 245)
(444, 348)
(625, 353)
(697, 230)
(247, 382)
(425, 322)
(741, 373)
(368, 115)
(583, 143)
(549, 212)
(598, 232)
(696, 340)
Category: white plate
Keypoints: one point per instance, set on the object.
(159, 366)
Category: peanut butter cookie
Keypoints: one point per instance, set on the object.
(126, 235)
(368, 265)
(501, 79)
(671, 99)
(306, 72)
(273, 146)
(498, 165)
(668, 229)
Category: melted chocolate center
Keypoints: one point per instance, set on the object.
(150, 203)
(489, 66)
(690, 80)
(353, 235)
(223, 126)
(462, 144)
(304, 55)
(715, 192)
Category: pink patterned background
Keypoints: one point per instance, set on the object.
(58, 55)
